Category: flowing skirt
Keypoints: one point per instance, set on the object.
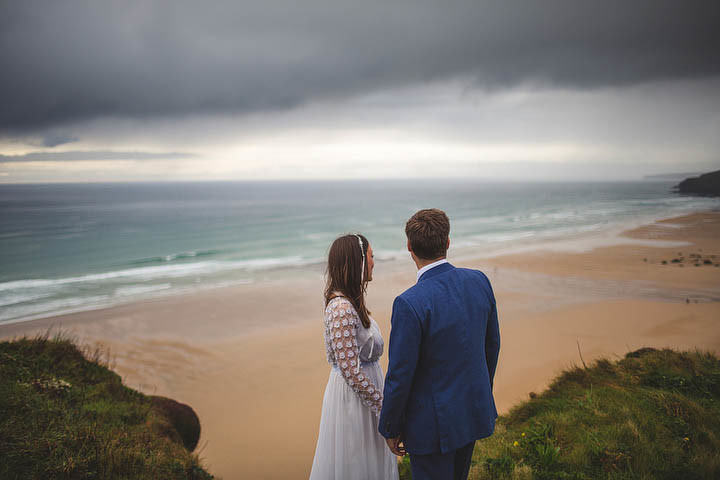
(349, 446)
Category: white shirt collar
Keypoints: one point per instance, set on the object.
(429, 266)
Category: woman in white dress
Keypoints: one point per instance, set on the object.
(349, 446)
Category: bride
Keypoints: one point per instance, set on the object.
(349, 445)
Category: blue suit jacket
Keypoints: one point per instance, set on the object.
(443, 351)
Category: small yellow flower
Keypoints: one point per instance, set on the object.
(522, 434)
(686, 439)
(515, 443)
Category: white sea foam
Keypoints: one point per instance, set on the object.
(10, 298)
(163, 271)
(387, 255)
(132, 290)
(16, 234)
(82, 304)
(575, 239)
(53, 306)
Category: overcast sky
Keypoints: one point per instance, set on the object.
(187, 90)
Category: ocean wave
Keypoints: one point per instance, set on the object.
(495, 238)
(22, 233)
(173, 256)
(131, 290)
(51, 307)
(388, 255)
(164, 271)
(15, 298)
(81, 304)
(325, 236)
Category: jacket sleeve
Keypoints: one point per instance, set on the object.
(492, 339)
(404, 351)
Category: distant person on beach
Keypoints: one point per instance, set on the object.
(349, 445)
(443, 352)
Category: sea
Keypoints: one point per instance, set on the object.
(73, 247)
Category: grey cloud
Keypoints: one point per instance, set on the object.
(56, 139)
(77, 60)
(92, 155)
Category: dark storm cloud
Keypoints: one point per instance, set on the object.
(92, 155)
(55, 139)
(64, 61)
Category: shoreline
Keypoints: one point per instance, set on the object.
(251, 360)
(575, 242)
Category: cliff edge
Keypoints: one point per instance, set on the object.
(707, 184)
(65, 414)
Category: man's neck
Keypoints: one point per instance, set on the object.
(421, 262)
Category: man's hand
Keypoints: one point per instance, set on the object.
(396, 447)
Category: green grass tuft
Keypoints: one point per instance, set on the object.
(65, 414)
(654, 414)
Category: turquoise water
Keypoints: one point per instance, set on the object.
(69, 247)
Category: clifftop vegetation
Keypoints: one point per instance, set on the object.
(654, 414)
(64, 414)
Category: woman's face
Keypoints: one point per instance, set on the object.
(370, 262)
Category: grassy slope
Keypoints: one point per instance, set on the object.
(655, 414)
(63, 415)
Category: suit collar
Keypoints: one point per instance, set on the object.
(429, 266)
(436, 271)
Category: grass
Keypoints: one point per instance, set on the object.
(65, 414)
(654, 414)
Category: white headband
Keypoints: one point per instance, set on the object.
(362, 252)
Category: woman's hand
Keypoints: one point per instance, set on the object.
(396, 446)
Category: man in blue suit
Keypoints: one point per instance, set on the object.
(443, 351)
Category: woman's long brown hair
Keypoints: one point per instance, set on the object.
(344, 273)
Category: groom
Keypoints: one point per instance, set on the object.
(444, 346)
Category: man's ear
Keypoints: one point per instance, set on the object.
(412, 254)
(448, 244)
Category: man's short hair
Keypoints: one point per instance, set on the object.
(428, 231)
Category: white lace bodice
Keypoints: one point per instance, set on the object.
(348, 343)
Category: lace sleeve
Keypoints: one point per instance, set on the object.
(343, 322)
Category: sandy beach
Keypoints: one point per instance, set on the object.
(250, 359)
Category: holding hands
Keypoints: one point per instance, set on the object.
(396, 446)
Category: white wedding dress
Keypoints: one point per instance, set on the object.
(349, 446)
